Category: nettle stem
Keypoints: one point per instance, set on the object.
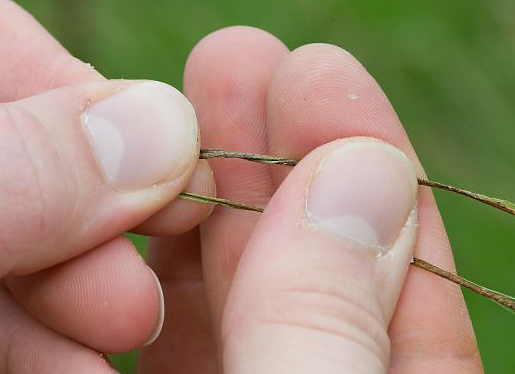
(504, 205)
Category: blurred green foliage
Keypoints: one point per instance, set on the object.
(447, 66)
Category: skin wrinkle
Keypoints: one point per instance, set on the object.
(59, 169)
(12, 123)
(70, 180)
(342, 334)
(335, 308)
(437, 363)
(46, 219)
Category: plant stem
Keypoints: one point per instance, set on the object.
(217, 201)
(504, 205)
(263, 159)
(504, 300)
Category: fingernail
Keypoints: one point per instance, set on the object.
(142, 135)
(363, 191)
(161, 312)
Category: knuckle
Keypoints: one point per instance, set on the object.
(334, 312)
(29, 182)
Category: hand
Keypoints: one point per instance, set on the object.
(299, 289)
(302, 290)
(81, 164)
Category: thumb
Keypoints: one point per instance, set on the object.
(320, 277)
(81, 164)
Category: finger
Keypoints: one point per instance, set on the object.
(27, 347)
(226, 78)
(106, 298)
(322, 93)
(181, 216)
(75, 171)
(319, 279)
(186, 344)
(31, 60)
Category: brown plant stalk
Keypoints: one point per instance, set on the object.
(504, 205)
(506, 301)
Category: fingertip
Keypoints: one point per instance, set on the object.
(225, 59)
(106, 298)
(231, 37)
(325, 85)
(182, 215)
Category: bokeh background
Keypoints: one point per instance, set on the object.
(447, 66)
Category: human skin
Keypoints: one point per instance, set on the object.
(285, 291)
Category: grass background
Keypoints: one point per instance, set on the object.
(447, 66)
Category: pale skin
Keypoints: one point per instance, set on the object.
(72, 287)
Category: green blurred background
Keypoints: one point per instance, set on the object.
(447, 66)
